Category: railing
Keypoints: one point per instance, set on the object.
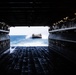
(63, 29)
(4, 31)
(64, 40)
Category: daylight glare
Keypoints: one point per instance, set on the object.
(21, 36)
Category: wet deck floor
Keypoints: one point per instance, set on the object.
(27, 61)
(35, 61)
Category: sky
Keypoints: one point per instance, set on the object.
(29, 30)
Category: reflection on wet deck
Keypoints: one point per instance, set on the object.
(27, 61)
(34, 61)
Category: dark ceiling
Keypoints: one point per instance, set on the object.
(35, 12)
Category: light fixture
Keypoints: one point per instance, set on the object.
(74, 13)
(54, 24)
(61, 20)
(65, 18)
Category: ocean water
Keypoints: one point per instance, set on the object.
(25, 40)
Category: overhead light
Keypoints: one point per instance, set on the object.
(74, 13)
(65, 18)
(7, 25)
(54, 24)
(3, 23)
(61, 20)
(58, 21)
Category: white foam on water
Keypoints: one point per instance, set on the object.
(28, 41)
(36, 43)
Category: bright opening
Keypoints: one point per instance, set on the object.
(23, 36)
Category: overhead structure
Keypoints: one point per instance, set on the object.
(35, 12)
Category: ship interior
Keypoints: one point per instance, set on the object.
(59, 57)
